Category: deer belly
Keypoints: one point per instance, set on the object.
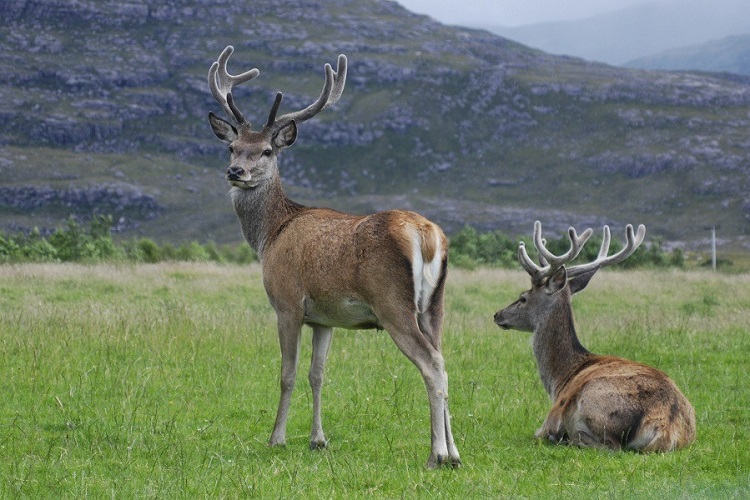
(347, 313)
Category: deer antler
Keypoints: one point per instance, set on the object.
(634, 240)
(221, 83)
(550, 263)
(331, 93)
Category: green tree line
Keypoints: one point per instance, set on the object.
(93, 243)
(469, 248)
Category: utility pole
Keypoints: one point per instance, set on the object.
(713, 245)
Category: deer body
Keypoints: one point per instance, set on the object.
(598, 401)
(326, 269)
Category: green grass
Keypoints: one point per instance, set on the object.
(162, 381)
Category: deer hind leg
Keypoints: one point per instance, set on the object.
(587, 423)
(415, 346)
(430, 324)
(290, 330)
(321, 343)
(430, 321)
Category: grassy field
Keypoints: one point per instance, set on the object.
(162, 381)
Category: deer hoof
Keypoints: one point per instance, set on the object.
(437, 461)
(319, 445)
(276, 441)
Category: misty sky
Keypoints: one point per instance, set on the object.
(516, 12)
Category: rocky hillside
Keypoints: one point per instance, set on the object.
(105, 103)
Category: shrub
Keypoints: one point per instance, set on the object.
(469, 249)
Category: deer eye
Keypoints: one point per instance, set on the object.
(267, 152)
(522, 299)
(231, 150)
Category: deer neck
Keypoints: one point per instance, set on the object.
(557, 349)
(262, 212)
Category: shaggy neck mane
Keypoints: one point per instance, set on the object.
(262, 212)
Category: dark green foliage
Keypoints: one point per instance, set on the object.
(73, 243)
(469, 249)
(76, 243)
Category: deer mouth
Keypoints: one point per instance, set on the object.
(236, 181)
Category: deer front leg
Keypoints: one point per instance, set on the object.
(321, 342)
(290, 330)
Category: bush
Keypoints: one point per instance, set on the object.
(469, 249)
(76, 243)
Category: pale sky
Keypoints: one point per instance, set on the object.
(515, 12)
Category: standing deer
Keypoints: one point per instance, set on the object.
(599, 401)
(328, 269)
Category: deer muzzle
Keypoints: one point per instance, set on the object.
(234, 173)
(501, 320)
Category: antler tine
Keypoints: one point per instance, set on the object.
(220, 82)
(550, 262)
(274, 109)
(528, 264)
(634, 240)
(332, 90)
(557, 261)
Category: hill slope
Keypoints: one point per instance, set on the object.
(105, 104)
(731, 54)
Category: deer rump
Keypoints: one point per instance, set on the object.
(615, 403)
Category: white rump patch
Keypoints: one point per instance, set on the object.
(425, 274)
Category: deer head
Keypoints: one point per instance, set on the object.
(253, 154)
(552, 283)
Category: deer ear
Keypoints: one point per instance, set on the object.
(286, 135)
(224, 130)
(557, 281)
(579, 282)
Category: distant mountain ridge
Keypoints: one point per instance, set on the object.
(637, 31)
(731, 54)
(109, 100)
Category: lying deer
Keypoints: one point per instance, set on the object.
(599, 401)
(328, 269)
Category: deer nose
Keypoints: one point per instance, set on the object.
(499, 320)
(234, 173)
